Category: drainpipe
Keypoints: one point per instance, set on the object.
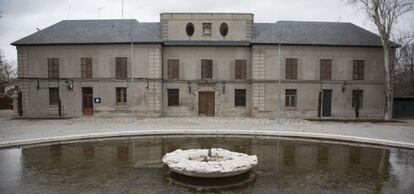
(280, 74)
(132, 78)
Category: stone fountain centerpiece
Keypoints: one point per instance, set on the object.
(209, 163)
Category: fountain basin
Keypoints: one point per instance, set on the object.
(200, 163)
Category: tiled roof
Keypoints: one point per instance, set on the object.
(127, 30)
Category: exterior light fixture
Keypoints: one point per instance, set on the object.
(343, 86)
(224, 87)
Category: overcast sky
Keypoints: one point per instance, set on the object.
(20, 18)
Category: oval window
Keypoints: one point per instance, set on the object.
(224, 29)
(189, 29)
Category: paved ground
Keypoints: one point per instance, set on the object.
(25, 131)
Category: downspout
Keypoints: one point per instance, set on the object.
(162, 81)
(280, 74)
(132, 78)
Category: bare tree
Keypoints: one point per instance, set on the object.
(6, 69)
(404, 65)
(384, 14)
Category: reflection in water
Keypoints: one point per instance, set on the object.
(134, 165)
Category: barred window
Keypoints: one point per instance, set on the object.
(357, 98)
(326, 69)
(173, 68)
(53, 67)
(86, 68)
(121, 96)
(240, 69)
(53, 96)
(173, 97)
(239, 97)
(206, 69)
(121, 68)
(291, 68)
(290, 99)
(358, 70)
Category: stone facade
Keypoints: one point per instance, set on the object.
(147, 82)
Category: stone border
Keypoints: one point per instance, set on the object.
(68, 138)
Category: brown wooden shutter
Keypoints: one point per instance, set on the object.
(291, 68)
(173, 68)
(240, 69)
(325, 69)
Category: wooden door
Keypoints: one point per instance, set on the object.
(326, 103)
(87, 101)
(206, 103)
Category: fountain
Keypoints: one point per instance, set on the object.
(209, 163)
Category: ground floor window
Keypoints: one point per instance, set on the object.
(290, 99)
(239, 97)
(173, 97)
(357, 98)
(53, 96)
(121, 96)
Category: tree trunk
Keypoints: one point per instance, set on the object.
(388, 84)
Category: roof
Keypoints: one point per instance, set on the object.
(127, 30)
(93, 32)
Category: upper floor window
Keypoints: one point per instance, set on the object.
(206, 69)
(53, 96)
(239, 97)
(86, 68)
(206, 29)
(121, 68)
(326, 69)
(291, 68)
(240, 69)
(173, 97)
(290, 98)
(121, 96)
(224, 29)
(173, 68)
(357, 99)
(53, 67)
(358, 70)
(189, 29)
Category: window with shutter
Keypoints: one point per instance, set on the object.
(206, 69)
(53, 67)
(358, 70)
(240, 69)
(326, 69)
(173, 68)
(121, 68)
(86, 68)
(291, 68)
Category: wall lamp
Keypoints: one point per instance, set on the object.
(189, 87)
(224, 87)
(343, 86)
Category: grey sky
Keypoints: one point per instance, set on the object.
(20, 18)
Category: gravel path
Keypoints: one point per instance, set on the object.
(13, 131)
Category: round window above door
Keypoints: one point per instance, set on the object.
(189, 29)
(224, 29)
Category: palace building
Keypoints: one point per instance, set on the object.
(201, 64)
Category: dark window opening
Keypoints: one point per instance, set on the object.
(53, 67)
(358, 70)
(121, 96)
(290, 99)
(189, 29)
(357, 98)
(239, 97)
(224, 29)
(121, 68)
(173, 97)
(86, 68)
(53, 96)
(291, 68)
(206, 69)
(173, 68)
